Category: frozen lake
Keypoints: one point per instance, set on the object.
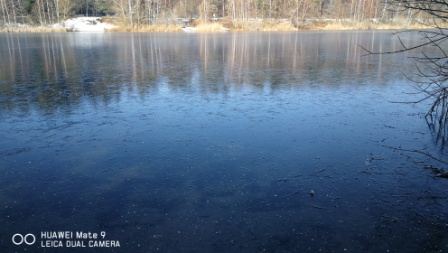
(234, 142)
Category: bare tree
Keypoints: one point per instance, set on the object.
(432, 60)
(65, 7)
(5, 11)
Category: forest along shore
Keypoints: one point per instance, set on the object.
(210, 15)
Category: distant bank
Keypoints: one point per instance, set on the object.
(107, 24)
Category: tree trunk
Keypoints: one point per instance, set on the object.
(233, 13)
(5, 11)
(130, 13)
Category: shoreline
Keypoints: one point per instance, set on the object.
(224, 25)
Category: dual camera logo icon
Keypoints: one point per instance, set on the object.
(19, 239)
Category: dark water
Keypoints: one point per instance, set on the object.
(236, 142)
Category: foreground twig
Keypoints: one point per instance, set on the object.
(417, 151)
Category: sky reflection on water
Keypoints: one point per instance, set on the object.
(213, 142)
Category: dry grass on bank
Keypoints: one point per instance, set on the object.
(258, 25)
(210, 27)
(283, 26)
(31, 29)
(123, 26)
(369, 25)
(226, 24)
(147, 28)
(386, 26)
(286, 25)
(265, 26)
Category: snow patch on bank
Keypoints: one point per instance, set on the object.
(86, 24)
(189, 29)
